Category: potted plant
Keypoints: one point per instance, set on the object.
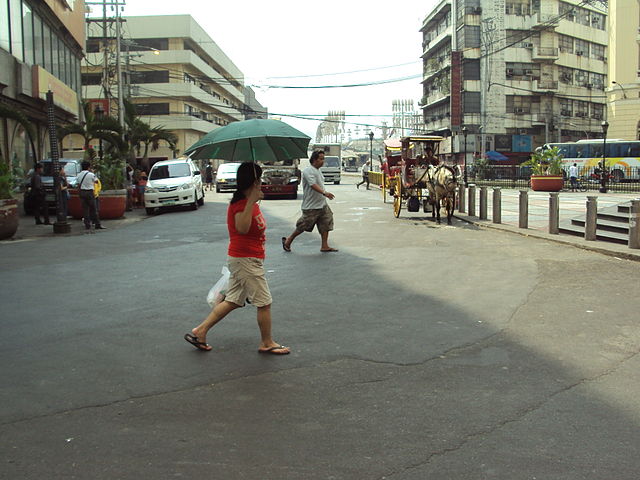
(113, 194)
(8, 204)
(546, 170)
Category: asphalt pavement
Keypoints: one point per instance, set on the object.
(418, 351)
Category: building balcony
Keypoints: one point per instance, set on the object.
(545, 86)
(544, 21)
(545, 54)
(436, 41)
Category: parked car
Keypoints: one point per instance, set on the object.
(72, 167)
(172, 183)
(226, 176)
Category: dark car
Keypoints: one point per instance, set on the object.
(72, 167)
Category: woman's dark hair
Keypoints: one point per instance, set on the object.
(85, 165)
(248, 173)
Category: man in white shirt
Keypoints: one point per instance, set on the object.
(315, 210)
(86, 180)
(573, 176)
(365, 175)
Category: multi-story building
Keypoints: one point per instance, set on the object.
(624, 70)
(515, 74)
(41, 44)
(174, 73)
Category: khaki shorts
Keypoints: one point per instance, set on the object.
(247, 282)
(322, 217)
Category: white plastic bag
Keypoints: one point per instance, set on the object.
(219, 290)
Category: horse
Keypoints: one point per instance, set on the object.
(442, 185)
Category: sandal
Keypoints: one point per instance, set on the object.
(193, 340)
(277, 350)
(284, 245)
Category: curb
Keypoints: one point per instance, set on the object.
(576, 242)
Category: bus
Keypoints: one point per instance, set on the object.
(622, 156)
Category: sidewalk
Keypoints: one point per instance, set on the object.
(28, 230)
(572, 205)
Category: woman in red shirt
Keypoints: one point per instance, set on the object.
(246, 253)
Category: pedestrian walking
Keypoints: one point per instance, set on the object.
(365, 175)
(573, 176)
(86, 182)
(246, 254)
(315, 210)
(39, 196)
(208, 176)
(140, 187)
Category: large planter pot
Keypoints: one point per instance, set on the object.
(8, 218)
(547, 183)
(112, 204)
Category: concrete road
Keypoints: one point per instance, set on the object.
(419, 351)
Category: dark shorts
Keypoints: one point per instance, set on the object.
(322, 217)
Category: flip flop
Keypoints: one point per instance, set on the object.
(284, 245)
(193, 340)
(274, 350)
(330, 250)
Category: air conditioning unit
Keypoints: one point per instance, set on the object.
(477, 11)
(579, 53)
(589, 85)
(528, 72)
(565, 113)
(527, 45)
(581, 114)
(509, 72)
(597, 116)
(518, 110)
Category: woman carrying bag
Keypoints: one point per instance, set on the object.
(246, 255)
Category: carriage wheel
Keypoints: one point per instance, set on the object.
(397, 199)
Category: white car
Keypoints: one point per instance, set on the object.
(226, 176)
(171, 183)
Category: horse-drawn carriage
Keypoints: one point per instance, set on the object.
(420, 181)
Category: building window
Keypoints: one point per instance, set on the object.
(471, 69)
(152, 108)
(5, 42)
(566, 44)
(521, 8)
(48, 49)
(597, 21)
(15, 22)
(582, 47)
(597, 111)
(146, 44)
(598, 51)
(566, 75)
(93, 45)
(27, 30)
(472, 36)
(566, 107)
(471, 102)
(159, 76)
(91, 79)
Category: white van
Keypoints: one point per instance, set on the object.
(226, 176)
(331, 169)
(172, 183)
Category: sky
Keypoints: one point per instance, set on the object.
(315, 44)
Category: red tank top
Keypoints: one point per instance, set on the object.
(251, 244)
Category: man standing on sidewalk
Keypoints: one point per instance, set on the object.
(573, 176)
(365, 175)
(86, 182)
(315, 210)
(39, 196)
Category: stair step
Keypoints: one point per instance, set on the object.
(606, 225)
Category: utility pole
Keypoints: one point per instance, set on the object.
(105, 67)
(119, 67)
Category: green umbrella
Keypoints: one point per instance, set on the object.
(252, 140)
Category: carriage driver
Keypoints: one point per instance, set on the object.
(430, 158)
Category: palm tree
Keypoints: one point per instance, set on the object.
(105, 128)
(141, 134)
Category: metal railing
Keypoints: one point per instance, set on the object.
(623, 180)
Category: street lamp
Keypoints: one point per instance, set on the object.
(370, 151)
(464, 133)
(624, 94)
(99, 113)
(603, 173)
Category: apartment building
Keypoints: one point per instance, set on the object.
(516, 74)
(175, 74)
(624, 70)
(41, 44)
